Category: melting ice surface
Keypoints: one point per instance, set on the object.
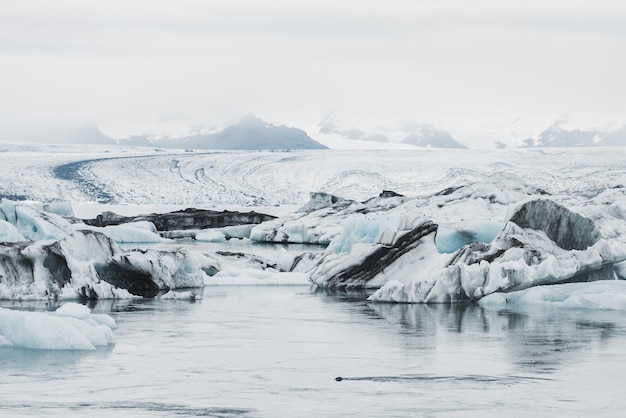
(276, 351)
(452, 237)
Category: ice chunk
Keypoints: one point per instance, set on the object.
(74, 310)
(8, 209)
(320, 200)
(254, 277)
(453, 236)
(188, 295)
(396, 253)
(364, 229)
(568, 229)
(146, 272)
(9, 233)
(71, 329)
(237, 231)
(35, 224)
(604, 294)
(210, 235)
(61, 208)
(132, 232)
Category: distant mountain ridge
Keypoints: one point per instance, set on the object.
(421, 135)
(429, 137)
(251, 133)
(557, 136)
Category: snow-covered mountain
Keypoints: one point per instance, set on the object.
(421, 135)
(429, 137)
(250, 133)
(557, 136)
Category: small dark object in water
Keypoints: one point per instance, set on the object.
(338, 379)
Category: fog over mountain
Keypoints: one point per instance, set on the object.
(557, 136)
(470, 68)
(421, 135)
(61, 132)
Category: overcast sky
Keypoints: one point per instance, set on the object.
(465, 66)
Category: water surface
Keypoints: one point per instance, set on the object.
(277, 351)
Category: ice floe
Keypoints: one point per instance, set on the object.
(71, 327)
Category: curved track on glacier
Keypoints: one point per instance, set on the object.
(272, 178)
(74, 172)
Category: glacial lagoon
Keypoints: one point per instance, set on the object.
(252, 351)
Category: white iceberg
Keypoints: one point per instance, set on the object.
(131, 232)
(255, 277)
(9, 233)
(603, 294)
(35, 224)
(71, 327)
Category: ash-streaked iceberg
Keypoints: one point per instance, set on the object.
(45, 256)
(78, 261)
(542, 243)
(489, 243)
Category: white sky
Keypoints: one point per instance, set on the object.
(471, 67)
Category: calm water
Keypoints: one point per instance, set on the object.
(276, 351)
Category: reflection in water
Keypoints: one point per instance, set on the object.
(24, 359)
(276, 351)
(539, 340)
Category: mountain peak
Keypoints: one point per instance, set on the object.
(250, 133)
(557, 136)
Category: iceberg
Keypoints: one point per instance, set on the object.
(9, 233)
(71, 327)
(320, 220)
(89, 265)
(35, 224)
(463, 243)
(454, 236)
(604, 294)
(542, 243)
(255, 277)
(133, 232)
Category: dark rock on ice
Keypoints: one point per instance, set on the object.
(542, 243)
(321, 200)
(389, 193)
(250, 260)
(368, 266)
(363, 270)
(187, 219)
(89, 265)
(123, 274)
(567, 229)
